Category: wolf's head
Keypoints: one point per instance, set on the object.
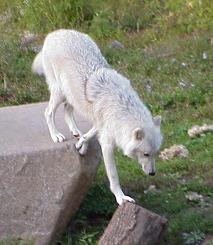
(144, 144)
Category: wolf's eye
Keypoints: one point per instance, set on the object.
(146, 154)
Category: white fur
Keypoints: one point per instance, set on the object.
(79, 75)
(37, 64)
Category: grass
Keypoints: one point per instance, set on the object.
(165, 58)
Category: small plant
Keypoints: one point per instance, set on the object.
(193, 238)
(88, 239)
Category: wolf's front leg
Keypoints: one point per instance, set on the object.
(82, 143)
(108, 155)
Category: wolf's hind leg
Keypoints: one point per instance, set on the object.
(56, 98)
(69, 118)
(82, 143)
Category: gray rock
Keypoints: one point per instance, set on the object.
(117, 44)
(27, 42)
(27, 38)
(5, 16)
(193, 196)
(208, 240)
(199, 130)
(205, 56)
(36, 49)
(174, 151)
(41, 183)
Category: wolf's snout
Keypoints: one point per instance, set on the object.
(152, 173)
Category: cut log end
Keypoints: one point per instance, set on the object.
(134, 225)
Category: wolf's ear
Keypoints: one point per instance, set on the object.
(157, 121)
(138, 134)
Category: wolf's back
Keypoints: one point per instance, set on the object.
(37, 66)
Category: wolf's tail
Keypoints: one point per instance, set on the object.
(37, 66)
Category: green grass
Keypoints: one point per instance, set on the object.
(163, 57)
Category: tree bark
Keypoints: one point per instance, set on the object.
(134, 225)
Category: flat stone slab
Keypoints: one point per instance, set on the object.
(24, 129)
(41, 183)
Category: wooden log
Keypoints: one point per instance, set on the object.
(134, 225)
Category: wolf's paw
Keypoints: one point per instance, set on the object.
(81, 146)
(83, 150)
(58, 137)
(121, 199)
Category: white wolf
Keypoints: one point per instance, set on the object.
(79, 76)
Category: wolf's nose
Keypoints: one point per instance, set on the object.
(152, 173)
